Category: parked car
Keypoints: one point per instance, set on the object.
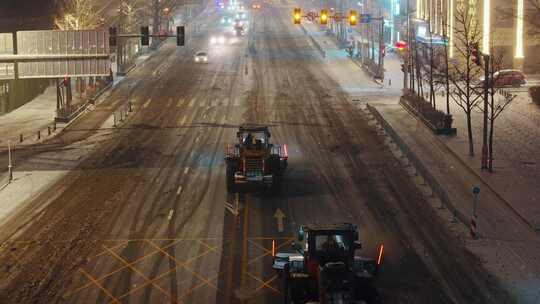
(503, 78)
(201, 57)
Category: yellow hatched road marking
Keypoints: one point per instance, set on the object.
(140, 273)
(91, 278)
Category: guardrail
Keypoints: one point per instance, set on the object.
(418, 165)
(315, 42)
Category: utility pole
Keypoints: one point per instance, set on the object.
(381, 44)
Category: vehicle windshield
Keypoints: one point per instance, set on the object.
(201, 54)
(254, 138)
(331, 242)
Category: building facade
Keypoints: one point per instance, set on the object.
(505, 27)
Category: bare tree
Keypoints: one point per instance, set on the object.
(531, 16)
(499, 99)
(79, 15)
(463, 72)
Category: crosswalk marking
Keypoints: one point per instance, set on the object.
(236, 102)
(147, 103)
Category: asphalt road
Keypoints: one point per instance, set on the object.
(143, 218)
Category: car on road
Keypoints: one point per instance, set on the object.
(508, 77)
(201, 57)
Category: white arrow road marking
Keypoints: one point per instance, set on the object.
(171, 213)
(186, 170)
(179, 190)
(279, 215)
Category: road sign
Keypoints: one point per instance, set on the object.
(73, 45)
(365, 18)
(7, 70)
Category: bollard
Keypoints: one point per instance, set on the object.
(129, 104)
(114, 120)
(20, 138)
(474, 218)
(49, 130)
(121, 116)
(39, 134)
(54, 126)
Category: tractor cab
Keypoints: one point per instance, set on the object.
(328, 244)
(325, 268)
(255, 138)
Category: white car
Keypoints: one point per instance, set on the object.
(201, 57)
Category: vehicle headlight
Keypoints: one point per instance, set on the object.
(205, 59)
(221, 39)
(197, 59)
(213, 40)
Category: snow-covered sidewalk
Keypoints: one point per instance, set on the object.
(516, 156)
(508, 247)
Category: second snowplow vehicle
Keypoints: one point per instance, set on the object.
(325, 269)
(253, 162)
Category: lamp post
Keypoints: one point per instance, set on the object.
(10, 165)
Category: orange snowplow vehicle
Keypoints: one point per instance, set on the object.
(253, 162)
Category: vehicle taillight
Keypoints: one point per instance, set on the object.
(379, 259)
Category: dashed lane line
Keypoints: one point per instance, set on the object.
(180, 102)
(147, 103)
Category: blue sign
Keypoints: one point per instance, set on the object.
(365, 18)
(475, 190)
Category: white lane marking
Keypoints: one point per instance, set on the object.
(197, 139)
(147, 103)
(171, 213)
(191, 154)
(179, 190)
(186, 170)
(236, 102)
(180, 102)
(182, 121)
(192, 102)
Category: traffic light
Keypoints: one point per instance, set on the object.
(476, 57)
(180, 35)
(353, 17)
(112, 36)
(145, 35)
(297, 15)
(324, 16)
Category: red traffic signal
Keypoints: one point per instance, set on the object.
(476, 57)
